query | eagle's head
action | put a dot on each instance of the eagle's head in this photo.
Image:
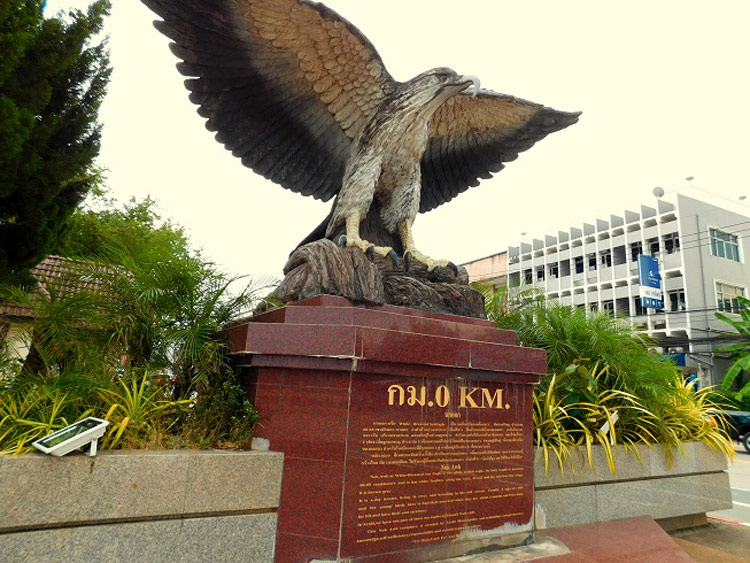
(430, 89)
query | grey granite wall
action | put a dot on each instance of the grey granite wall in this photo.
(164, 506)
(205, 506)
(696, 482)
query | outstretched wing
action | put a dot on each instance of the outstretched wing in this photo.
(471, 138)
(285, 84)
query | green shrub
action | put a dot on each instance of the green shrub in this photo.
(128, 331)
(139, 412)
(599, 366)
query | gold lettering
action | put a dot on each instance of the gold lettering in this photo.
(442, 396)
(496, 401)
(392, 390)
(413, 399)
(466, 398)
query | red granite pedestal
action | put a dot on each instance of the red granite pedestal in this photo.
(407, 435)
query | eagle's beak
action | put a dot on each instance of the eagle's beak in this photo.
(475, 84)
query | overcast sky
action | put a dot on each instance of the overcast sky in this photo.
(663, 86)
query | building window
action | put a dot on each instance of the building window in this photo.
(606, 258)
(579, 264)
(540, 274)
(724, 245)
(527, 276)
(671, 243)
(608, 307)
(636, 249)
(726, 297)
(593, 307)
(554, 271)
(565, 268)
(592, 262)
(653, 246)
(638, 306)
(676, 300)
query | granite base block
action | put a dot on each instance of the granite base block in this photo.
(651, 462)
(133, 485)
(140, 506)
(658, 497)
(406, 434)
(246, 539)
(664, 498)
(565, 507)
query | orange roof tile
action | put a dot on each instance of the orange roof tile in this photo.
(51, 268)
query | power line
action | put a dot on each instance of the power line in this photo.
(698, 233)
(588, 255)
(710, 241)
(694, 187)
(682, 235)
(690, 243)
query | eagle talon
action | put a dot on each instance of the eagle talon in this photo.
(435, 273)
(454, 268)
(342, 241)
(370, 253)
(407, 261)
(394, 258)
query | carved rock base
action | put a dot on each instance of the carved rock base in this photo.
(323, 268)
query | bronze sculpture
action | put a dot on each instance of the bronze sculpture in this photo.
(304, 99)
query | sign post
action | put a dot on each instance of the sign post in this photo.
(649, 278)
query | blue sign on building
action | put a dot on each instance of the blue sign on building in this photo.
(678, 359)
(649, 277)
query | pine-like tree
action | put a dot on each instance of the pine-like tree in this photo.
(52, 82)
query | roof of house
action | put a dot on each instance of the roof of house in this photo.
(52, 268)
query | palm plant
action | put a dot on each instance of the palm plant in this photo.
(136, 301)
(739, 352)
(127, 317)
(66, 333)
(165, 314)
(569, 334)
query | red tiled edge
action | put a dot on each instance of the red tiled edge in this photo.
(636, 540)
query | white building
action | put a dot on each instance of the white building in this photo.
(703, 253)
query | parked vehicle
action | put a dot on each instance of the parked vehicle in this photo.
(738, 426)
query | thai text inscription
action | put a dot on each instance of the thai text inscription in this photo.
(468, 397)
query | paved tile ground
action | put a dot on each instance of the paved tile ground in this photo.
(631, 540)
(739, 479)
(719, 542)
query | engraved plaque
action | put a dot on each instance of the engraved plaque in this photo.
(435, 461)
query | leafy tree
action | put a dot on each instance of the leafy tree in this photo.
(52, 82)
(104, 230)
(734, 384)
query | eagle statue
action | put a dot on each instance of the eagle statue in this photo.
(302, 97)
